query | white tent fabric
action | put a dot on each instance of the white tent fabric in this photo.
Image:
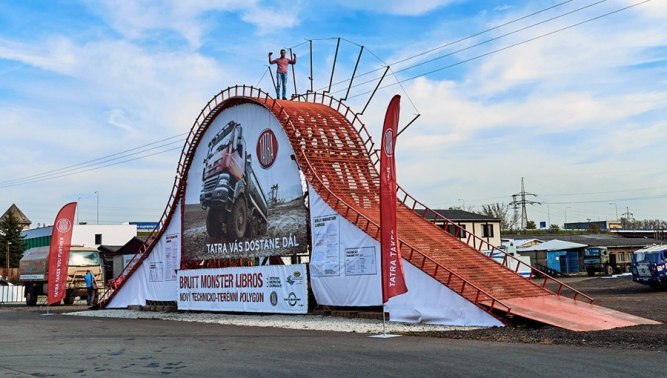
(356, 281)
(335, 283)
(155, 278)
(430, 302)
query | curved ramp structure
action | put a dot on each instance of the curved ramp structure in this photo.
(335, 154)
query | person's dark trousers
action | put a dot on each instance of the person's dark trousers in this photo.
(91, 295)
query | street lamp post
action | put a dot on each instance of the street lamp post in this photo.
(7, 272)
(565, 224)
(98, 206)
(77, 210)
(616, 207)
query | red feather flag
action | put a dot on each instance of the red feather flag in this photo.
(393, 280)
(61, 239)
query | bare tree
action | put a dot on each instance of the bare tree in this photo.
(500, 211)
(649, 224)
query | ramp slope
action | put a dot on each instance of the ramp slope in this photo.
(333, 156)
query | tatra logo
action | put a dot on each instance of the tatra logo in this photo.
(389, 142)
(274, 298)
(63, 225)
(267, 148)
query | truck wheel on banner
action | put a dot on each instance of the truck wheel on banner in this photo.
(30, 296)
(238, 220)
(254, 227)
(214, 222)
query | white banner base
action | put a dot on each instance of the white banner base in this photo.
(280, 289)
(384, 336)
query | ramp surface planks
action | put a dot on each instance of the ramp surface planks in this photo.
(573, 315)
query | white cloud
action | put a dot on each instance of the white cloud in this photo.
(135, 19)
(398, 7)
(502, 7)
(268, 20)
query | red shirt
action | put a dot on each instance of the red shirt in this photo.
(282, 63)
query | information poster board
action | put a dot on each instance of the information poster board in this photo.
(172, 256)
(360, 261)
(281, 289)
(325, 261)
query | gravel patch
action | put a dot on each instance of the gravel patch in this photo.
(302, 322)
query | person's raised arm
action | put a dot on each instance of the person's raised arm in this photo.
(270, 62)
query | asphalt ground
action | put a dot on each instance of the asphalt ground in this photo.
(35, 345)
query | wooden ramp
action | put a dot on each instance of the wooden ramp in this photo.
(573, 315)
(332, 149)
(335, 154)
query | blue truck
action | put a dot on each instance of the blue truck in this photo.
(648, 266)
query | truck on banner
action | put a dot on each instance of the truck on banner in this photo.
(244, 197)
(281, 289)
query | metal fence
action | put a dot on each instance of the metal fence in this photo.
(11, 294)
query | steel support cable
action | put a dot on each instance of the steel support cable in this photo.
(460, 40)
(392, 73)
(506, 47)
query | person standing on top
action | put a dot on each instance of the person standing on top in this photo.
(281, 72)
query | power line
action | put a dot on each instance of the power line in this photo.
(503, 48)
(98, 163)
(458, 41)
(487, 41)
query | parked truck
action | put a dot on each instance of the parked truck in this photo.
(231, 194)
(34, 273)
(648, 266)
(600, 259)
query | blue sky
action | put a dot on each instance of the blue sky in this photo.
(579, 111)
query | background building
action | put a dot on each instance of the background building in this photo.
(87, 235)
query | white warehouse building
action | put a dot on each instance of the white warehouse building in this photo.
(86, 235)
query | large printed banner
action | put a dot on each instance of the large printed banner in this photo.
(273, 289)
(244, 196)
